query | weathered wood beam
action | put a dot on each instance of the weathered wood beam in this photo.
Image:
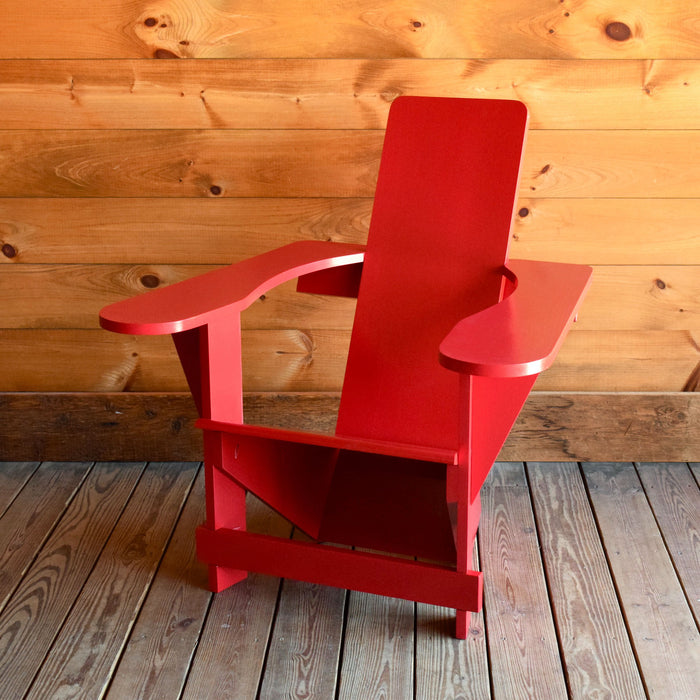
(145, 426)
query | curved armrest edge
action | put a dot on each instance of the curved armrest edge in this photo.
(522, 334)
(199, 300)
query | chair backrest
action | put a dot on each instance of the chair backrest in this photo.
(439, 233)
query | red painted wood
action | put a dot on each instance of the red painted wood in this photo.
(395, 449)
(516, 338)
(209, 297)
(447, 342)
(391, 505)
(226, 508)
(437, 242)
(343, 568)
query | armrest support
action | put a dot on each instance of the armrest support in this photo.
(522, 334)
(197, 301)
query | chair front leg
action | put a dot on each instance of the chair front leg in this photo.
(464, 504)
(211, 358)
(225, 506)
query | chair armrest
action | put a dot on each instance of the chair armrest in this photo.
(522, 334)
(197, 301)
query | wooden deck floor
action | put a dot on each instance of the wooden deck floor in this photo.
(592, 590)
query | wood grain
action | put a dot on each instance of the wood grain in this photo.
(520, 632)
(322, 163)
(157, 658)
(623, 361)
(93, 636)
(13, 477)
(585, 426)
(135, 426)
(642, 298)
(189, 163)
(378, 653)
(31, 516)
(340, 93)
(235, 637)
(40, 604)
(607, 231)
(305, 643)
(171, 231)
(661, 625)
(673, 495)
(595, 646)
(634, 298)
(299, 359)
(234, 665)
(364, 28)
(447, 667)
(71, 296)
(221, 231)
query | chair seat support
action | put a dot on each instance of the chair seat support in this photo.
(343, 568)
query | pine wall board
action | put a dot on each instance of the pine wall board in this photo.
(121, 172)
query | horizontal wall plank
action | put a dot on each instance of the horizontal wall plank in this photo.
(133, 426)
(314, 360)
(172, 230)
(225, 230)
(322, 163)
(74, 360)
(643, 298)
(625, 361)
(622, 297)
(363, 28)
(607, 231)
(340, 94)
(186, 163)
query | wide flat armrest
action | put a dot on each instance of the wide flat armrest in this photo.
(522, 334)
(197, 301)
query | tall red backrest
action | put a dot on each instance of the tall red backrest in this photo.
(439, 233)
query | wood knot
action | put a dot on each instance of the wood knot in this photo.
(215, 190)
(164, 53)
(618, 31)
(9, 251)
(150, 281)
(660, 283)
(150, 22)
(416, 24)
(522, 213)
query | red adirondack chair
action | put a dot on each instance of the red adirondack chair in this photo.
(446, 344)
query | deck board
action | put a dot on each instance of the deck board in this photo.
(87, 648)
(13, 476)
(522, 640)
(595, 647)
(378, 654)
(171, 619)
(672, 493)
(306, 641)
(590, 571)
(30, 519)
(661, 625)
(447, 667)
(234, 642)
(40, 604)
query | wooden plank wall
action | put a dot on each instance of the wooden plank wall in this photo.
(120, 172)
